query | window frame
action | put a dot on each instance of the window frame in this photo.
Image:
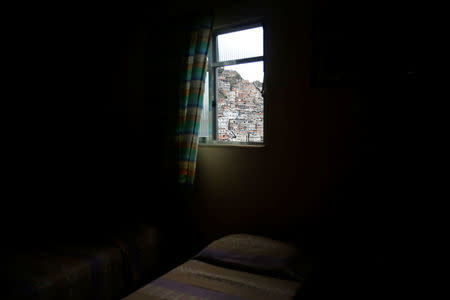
(212, 68)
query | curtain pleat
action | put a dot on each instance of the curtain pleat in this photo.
(191, 98)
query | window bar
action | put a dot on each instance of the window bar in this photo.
(237, 61)
(214, 86)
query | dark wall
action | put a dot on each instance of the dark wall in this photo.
(89, 122)
(337, 168)
(352, 126)
(89, 111)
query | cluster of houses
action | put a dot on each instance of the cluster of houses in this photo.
(240, 108)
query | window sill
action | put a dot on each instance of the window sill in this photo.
(232, 145)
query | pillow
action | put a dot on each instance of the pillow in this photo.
(255, 254)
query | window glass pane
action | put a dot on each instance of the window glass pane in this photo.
(204, 122)
(240, 44)
(240, 104)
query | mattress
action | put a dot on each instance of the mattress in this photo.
(237, 266)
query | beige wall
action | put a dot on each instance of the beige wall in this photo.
(272, 189)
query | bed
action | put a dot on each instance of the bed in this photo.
(238, 266)
(105, 268)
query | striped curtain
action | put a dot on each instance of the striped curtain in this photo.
(191, 98)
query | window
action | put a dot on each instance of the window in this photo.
(233, 107)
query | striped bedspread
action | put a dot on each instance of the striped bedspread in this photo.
(234, 267)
